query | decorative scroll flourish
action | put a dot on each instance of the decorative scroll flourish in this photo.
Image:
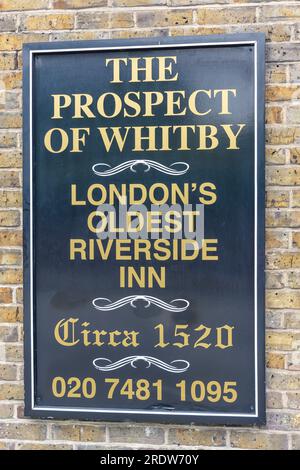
(99, 170)
(105, 305)
(181, 364)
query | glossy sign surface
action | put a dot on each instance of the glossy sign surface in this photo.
(143, 217)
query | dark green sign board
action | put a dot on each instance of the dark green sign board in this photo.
(144, 229)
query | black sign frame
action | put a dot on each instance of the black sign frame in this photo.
(32, 408)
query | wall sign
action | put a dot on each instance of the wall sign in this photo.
(144, 229)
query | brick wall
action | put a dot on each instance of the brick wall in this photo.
(50, 20)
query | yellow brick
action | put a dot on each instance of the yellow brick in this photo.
(10, 160)
(10, 101)
(295, 72)
(295, 421)
(93, 20)
(258, 440)
(283, 420)
(6, 411)
(274, 319)
(9, 179)
(19, 59)
(11, 80)
(282, 299)
(282, 218)
(8, 60)
(282, 93)
(296, 239)
(6, 445)
(13, 42)
(92, 433)
(96, 20)
(275, 361)
(20, 411)
(296, 442)
(196, 437)
(275, 156)
(8, 258)
(274, 115)
(10, 391)
(8, 22)
(197, 30)
(8, 372)
(121, 20)
(282, 341)
(275, 280)
(11, 276)
(11, 238)
(294, 280)
(10, 314)
(225, 15)
(294, 155)
(36, 446)
(276, 239)
(283, 176)
(280, 13)
(277, 198)
(138, 33)
(274, 400)
(293, 359)
(179, 3)
(273, 32)
(8, 139)
(5, 295)
(64, 4)
(23, 431)
(15, 5)
(9, 218)
(79, 35)
(136, 434)
(50, 21)
(138, 3)
(163, 18)
(276, 73)
(9, 333)
(293, 114)
(282, 52)
(293, 400)
(35, 37)
(14, 352)
(281, 135)
(19, 295)
(10, 41)
(282, 380)
(276, 33)
(11, 120)
(66, 432)
(283, 260)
